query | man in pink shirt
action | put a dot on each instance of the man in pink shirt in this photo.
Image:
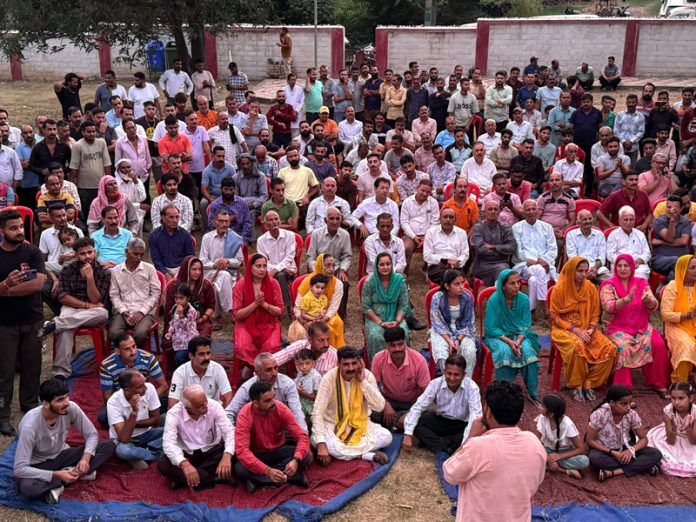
(518, 185)
(499, 467)
(402, 374)
(658, 182)
(317, 341)
(264, 456)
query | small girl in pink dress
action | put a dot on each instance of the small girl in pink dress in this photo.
(182, 325)
(676, 436)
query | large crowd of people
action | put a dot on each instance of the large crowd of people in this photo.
(506, 184)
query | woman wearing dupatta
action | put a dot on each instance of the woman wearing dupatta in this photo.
(384, 303)
(509, 335)
(202, 294)
(588, 355)
(452, 319)
(257, 307)
(108, 195)
(325, 264)
(678, 310)
(627, 302)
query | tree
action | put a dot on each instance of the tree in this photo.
(126, 25)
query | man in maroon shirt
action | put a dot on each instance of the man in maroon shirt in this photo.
(264, 456)
(281, 115)
(608, 213)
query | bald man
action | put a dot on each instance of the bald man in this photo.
(198, 443)
(207, 117)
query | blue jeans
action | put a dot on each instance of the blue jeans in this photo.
(147, 447)
(576, 462)
(180, 357)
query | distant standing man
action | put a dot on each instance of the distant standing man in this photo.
(203, 83)
(285, 45)
(174, 81)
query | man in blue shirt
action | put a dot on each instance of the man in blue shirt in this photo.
(169, 243)
(110, 241)
(532, 67)
(528, 90)
(210, 183)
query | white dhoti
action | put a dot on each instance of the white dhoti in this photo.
(223, 283)
(537, 282)
(375, 438)
(140, 213)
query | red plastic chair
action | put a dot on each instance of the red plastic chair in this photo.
(99, 339)
(609, 231)
(307, 242)
(655, 279)
(484, 365)
(294, 287)
(362, 261)
(428, 299)
(654, 205)
(299, 244)
(366, 357)
(587, 204)
(555, 359)
(473, 188)
(478, 286)
(159, 187)
(26, 213)
(477, 126)
(154, 329)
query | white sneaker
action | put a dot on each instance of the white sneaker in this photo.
(138, 464)
(53, 495)
(89, 476)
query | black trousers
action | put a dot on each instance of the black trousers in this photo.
(49, 299)
(276, 459)
(36, 488)
(86, 198)
(613, 84)
(439, 433)
(343, 307)
(436, 273)
(645, 459)
(205, 462)
(21, 349)
(400, 409)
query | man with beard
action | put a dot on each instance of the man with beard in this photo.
(22, 274)
(300, 182)
(29, 185)
(83, 291)
(322, 169)
(251, 180)
(68, 92)
(646, 103)
(201, 369)
(341, 427)
(237, 208)
(264, 455)
(281, 116)
(227, 136)
(492, 243)
(438, 103)
(303, 138)
(294, 96)
(172, 196)
(49, 150)
(503, 154)
(319, 137)
(43, 461)
(89, 161)
(661, 117)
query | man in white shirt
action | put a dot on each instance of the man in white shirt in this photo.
(384, 240)
(221, 255)
(588, 242)
(317, 210)
(174, 81)
(479, 169)
(134, 420)
(198, 442)
(221, 135)
(140, 92)
(491, 139)
(278, 246)
(521, 130)
(536, 254)
(266, 370)
(161, 128)
(571, 170)
(372, 207)
(294, 95)
(627, 239)
(445, 247)
(418, 213)
(375, 169)
(550, 94)
(203, 371)
(348, 130)
(498, 100)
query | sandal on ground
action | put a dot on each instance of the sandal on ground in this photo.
(654, 471)
(573, 473)
(589, 395)
(664, 393)
(577, 396)
(605, 474)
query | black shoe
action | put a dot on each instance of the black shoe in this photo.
(48, 328)
(7, 429)
(204, 485)
(60, 377)
(299, 480)
(250, 486)
(414, 324)
(230, 481)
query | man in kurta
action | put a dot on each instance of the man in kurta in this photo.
(492, 243)
(341, 427)
(536, 254)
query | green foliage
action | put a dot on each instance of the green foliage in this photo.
(301, 12)
(512, 8)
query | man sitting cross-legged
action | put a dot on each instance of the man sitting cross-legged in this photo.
(285, 391)
(83, 290)
(341, 427)
(44, 463)
(198, 442)
(134, 418)
(458, 403)
(402, 374)
(264, 455)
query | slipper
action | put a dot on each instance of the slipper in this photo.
(590, 395)
(577, 396)
(654, 471)
(573, 473)
(664, 393)
(605, 474)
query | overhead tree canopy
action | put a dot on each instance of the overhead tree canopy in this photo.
(126, 25)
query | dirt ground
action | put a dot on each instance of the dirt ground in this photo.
(410, 492)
